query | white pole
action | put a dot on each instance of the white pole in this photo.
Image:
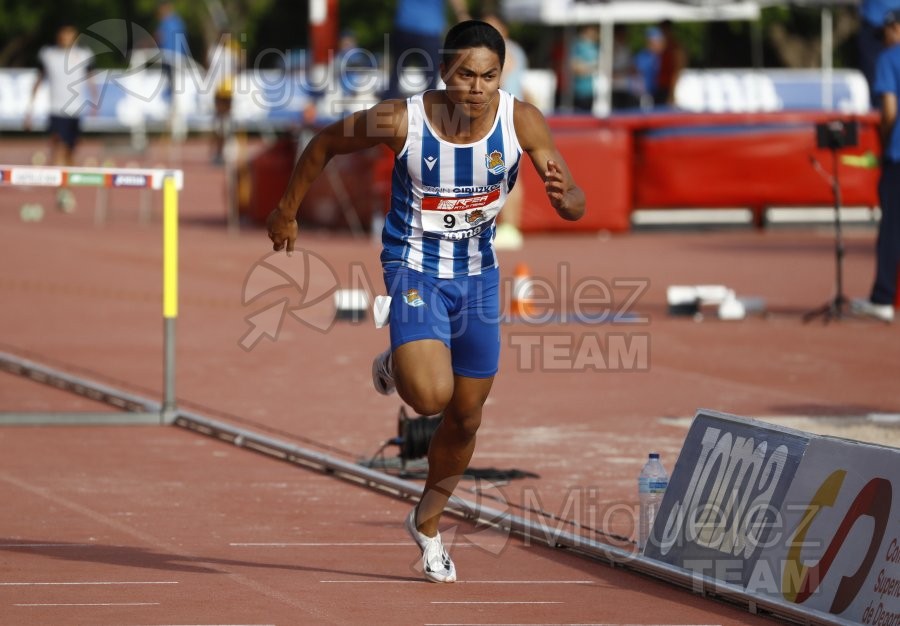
(603, 107)
(827, 59)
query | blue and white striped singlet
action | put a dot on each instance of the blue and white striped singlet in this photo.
(445, 197)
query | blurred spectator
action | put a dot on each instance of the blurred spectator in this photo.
(171, 36)
(513, 78)
(354, 65)
(869, 38)
(224, 64)
(508, 236)
(584, 60)
(886, 87)
(672, 61)
(625, 81)
(418, 36)
(561, 72)
(66, 66)
(646, 61)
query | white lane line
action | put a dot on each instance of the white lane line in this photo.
(313, 614)
(351, 544)
(36, 584)
(92, 604)
(472, 582)
(345, 544)
(45, 545)
(494, 602)
(527, 582)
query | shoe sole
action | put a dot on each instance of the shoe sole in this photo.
(376, 381)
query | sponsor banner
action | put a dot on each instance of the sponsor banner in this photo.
(723, 502)
(141, 98)
(737, 90)
(792, 516)
(5, 176)
(131, 180)
(36, 177)
(86, 179)
(840, 552)
(439, 203)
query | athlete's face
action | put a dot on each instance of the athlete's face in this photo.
(473, 79)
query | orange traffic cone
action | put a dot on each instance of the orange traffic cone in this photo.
(521, 305)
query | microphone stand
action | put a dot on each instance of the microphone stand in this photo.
(834, 308)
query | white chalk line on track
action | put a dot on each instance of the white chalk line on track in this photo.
(496, 602)
(45, 545)
(98, 582)
(344, 544)
(158, 544)
(471, 582)
(91, 604)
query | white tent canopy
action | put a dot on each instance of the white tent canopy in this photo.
(607, 13)
(565, 12)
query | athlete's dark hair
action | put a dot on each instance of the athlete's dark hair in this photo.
(472, 34)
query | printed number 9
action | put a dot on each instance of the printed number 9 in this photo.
(449, 221)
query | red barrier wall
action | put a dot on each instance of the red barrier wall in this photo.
(353, 184)
(669, 160)
(764, 163)
(599, 157)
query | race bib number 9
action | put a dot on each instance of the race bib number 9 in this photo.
(459, 217)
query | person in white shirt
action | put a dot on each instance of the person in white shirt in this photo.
(66, 67)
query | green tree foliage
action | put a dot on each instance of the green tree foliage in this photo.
(785, 36)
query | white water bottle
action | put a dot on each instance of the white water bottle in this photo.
(652, 484)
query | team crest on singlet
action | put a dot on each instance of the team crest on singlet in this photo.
(475, 217)
(494, 162)
(412, 298)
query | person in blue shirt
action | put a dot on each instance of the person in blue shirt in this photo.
(886, 87)
(869, 37)
(584, 61)
(646, 61)
(418, 34)
(171, 34)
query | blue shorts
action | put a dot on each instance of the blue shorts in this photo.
(463, 313)
(68, 129)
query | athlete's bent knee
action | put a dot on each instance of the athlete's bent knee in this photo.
(429, 400)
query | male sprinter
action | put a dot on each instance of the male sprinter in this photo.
(457, 157)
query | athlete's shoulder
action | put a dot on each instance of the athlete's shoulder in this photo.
(526, 111)
(388, 119)
(529, 123)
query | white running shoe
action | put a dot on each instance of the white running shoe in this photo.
(883, 312)
(65, 201)
(436, 563)
(383, 374)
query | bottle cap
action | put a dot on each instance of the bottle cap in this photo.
(654, 455)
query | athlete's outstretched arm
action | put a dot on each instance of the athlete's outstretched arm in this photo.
(384, 123)
(534, 137)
